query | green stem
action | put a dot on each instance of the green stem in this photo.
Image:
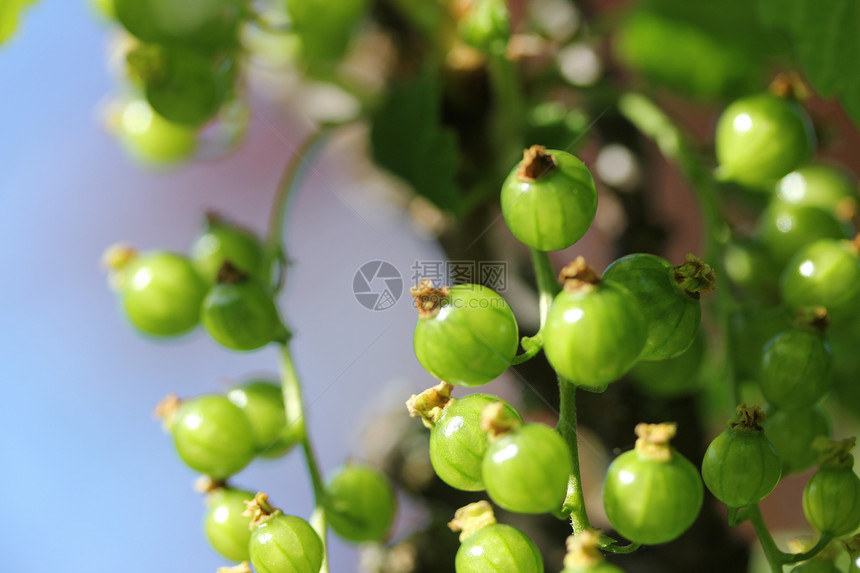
(547, 283)
(775, 557)
(275, 252)
(290, 384)
(772, 553)
(609, 545)
(651, 121)
(574, 501)
(734, 517)
(548, 287)
(508, 109)
(292, 390)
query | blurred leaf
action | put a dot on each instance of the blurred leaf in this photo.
(9, 13)
(825, 38)
(408, 140)
(708, 50)
(325, 29)
(671, 53)
(734, 22)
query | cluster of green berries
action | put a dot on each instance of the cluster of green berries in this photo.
(479, 442)
(219, 434)
(486, 545)
(221, 285)
(797, 282)
(181, 70)
(184, 63)
(741, 467)
(642, 310)
(796, 278)
(244, 527)
(800, 253)
(652, 494)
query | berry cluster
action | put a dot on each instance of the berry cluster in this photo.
(181, 70)
(642, 316)
(224, 285)
(792, 334)
(594, 331)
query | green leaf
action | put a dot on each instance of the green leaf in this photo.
(409, 140)
(670, 52)
(9, 12)
(707, 50)
(825, 37)
(734, 22)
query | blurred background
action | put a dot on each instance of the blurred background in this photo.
(89, 481)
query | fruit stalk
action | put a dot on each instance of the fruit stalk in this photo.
(296, 423)
(291, 387)
(771, 552)
(574, 500)
(276, 259)
(509, 107)
(546, 283)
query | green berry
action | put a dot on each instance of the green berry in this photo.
(227, 530)
(221, 242)
(668, 298)
(741, 466)
(161, 293)
(796, 369)
(831, 499)
(498, 547)
(184, 86)
(527, 469)
(821, 185)
(152, 139)
(825, 273)
(549, 199)
(360, 504)
(760, 138)
(466, 335)
(285, 544)
(239, 313)
(212, 435)
(673, 376)
(201, 24)
(595, 330)
(792, 432)
(652, 494)
(785, 229)
(263, 404)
